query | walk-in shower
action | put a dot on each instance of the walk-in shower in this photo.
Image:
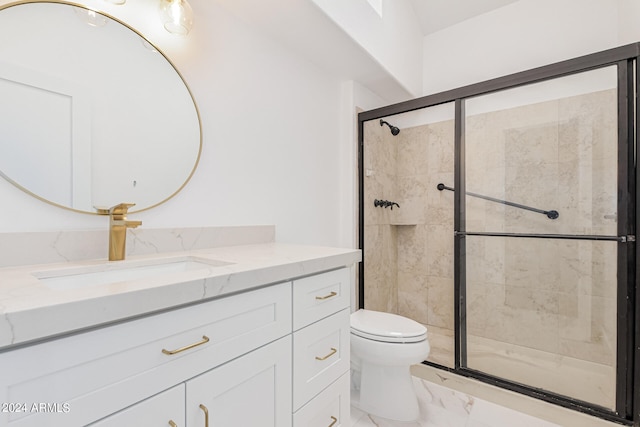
(514, 236)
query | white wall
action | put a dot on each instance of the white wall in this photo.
(271, 133)
(525, 35)
(628, 18)
(277, 128)
(393, 37)
(355, 98)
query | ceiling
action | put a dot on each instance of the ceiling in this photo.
(434, 15)
(297, 24)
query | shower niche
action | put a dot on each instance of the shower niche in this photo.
(514, 239)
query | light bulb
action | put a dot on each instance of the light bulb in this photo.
(177, 16)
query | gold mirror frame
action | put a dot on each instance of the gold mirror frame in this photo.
(173, 67)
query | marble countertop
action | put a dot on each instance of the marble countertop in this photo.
(31, 310)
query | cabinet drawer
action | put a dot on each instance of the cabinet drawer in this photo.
(329, 408)
(155, 411)
(320, 355)
(100, 372)
(319, 296)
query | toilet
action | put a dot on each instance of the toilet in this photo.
(383, 347)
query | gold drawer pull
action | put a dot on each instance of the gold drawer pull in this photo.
(206, 415)
(204, 340)
(331, 353)
(172, 424)
(333, 421)
(331, 295)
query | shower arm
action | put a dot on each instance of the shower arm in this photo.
(550, 214)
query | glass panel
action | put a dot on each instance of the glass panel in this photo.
(542, 312)
(408, 249)
(550, 146)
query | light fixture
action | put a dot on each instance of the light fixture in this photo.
(177, 16)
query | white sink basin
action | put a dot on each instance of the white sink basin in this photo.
(81, 277)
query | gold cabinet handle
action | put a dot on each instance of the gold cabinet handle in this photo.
(331, 353)
(331, 295)
(172, 424)
(206, 415)
(204, 340)
(333, 421)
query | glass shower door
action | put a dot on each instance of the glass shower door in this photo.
(540, 227)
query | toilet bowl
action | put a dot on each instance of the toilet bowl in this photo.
(383, 347)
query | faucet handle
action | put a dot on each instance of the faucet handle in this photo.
(120, 209)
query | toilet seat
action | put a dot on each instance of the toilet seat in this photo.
(386, 327)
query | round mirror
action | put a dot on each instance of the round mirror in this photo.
(91, 114)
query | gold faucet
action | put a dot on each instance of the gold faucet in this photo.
(118, 224)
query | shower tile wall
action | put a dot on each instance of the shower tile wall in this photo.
(409, 250)
(380, 275)
(425, 247)
(550, 302)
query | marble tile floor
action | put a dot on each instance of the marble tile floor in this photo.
(443, 407)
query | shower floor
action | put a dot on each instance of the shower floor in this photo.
(579, 379)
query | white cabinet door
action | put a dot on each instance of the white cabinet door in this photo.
(162, 410)
(253, 390)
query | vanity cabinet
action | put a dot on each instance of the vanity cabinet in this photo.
(254, 390)
(330, 408)
(275, 356)
(321, 350)
(164, 409)
(85, 377)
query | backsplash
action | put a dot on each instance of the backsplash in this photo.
(61, 246)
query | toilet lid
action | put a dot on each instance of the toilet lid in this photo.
(386, 327)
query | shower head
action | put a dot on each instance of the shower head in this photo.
(394, 130)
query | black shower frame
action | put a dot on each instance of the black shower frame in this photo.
(626, 57)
